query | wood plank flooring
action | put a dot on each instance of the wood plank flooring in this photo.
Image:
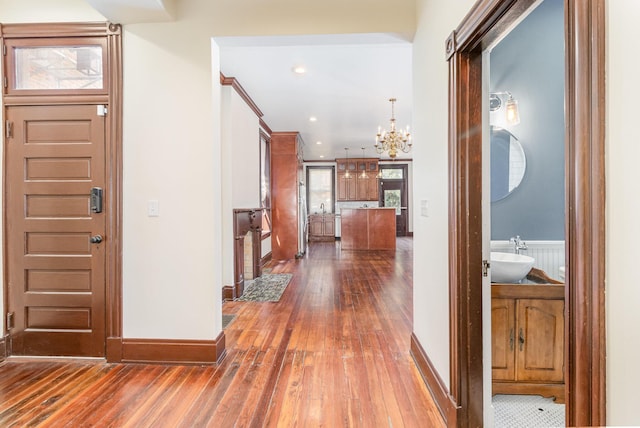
(334, 352)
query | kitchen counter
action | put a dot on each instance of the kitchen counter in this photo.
(368, 228)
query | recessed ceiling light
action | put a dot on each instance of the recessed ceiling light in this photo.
(313, 119)
(321, 156)
(299, 69)
(318, 142)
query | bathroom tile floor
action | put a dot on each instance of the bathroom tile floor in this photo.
(526, 411)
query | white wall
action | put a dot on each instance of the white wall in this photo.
(436, 20)
(169, 155)
(623, 205)
(240, 168)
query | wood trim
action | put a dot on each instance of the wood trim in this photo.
(548, 390)
(172, 351)
(114, 349)
(265, 127)
(265, 260)
(585, 104)
(233, 82)
(115, 171)
(35, 100)
(585, 188)
(59, 29)
(527, 291)
(465, 249)
(4, 352)
(228, 293)
(445, 402)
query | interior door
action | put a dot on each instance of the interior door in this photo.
(393, 193)
(55, 155)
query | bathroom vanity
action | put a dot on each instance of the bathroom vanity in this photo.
(527, 339)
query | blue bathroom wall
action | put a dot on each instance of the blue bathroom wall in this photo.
(529, 63)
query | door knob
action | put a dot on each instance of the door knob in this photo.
(96, 239)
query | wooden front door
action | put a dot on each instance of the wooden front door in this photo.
(55, 155)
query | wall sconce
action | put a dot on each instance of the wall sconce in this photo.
(503, 113)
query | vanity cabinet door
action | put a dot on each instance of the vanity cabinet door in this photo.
(503, 339)
(540, 340)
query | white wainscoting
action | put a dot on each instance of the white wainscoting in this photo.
(549, 255)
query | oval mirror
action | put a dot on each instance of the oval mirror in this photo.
(508, 163)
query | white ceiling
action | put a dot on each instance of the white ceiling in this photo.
(347, 86)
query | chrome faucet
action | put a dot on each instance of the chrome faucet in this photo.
(518, 244)
(322, 207)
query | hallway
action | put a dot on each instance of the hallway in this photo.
(334, 351)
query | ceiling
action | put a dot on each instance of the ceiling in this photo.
(347, 85)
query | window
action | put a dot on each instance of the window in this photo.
(265, 181)
(391, 173)
(69, 65)
(320, 189)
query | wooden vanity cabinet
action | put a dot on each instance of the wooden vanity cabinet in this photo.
(527, 335)
(322, 227)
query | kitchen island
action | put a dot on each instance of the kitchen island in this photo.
(368, 228)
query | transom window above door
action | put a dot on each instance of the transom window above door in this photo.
(59, 66)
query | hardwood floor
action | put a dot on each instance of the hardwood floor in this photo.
(333, 352)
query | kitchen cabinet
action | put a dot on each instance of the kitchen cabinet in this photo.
(527, 335)
(355, 187)
(322, 227)
(368, 228)
(286, 173)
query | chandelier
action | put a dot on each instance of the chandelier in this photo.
(393, 140)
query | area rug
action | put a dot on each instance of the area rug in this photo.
(266, 288)
(514, 411)
(227, 319)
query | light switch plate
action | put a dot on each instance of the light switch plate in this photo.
(424, 208)
(153, 208)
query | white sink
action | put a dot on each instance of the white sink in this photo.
(509, 267)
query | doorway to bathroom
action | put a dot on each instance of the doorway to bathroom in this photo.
(584, 367)
(524, 219)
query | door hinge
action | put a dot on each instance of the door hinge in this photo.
(5, 82)
(485, 268)
(8, 128)
(102, 110)
(10, 320)
(4, 50)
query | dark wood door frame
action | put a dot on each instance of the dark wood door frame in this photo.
(113, 99)
(404, 190)
(585, 196)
